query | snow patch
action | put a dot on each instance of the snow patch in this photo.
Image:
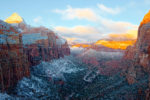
(4, 96)
(58, 67)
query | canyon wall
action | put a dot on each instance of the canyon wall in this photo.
(42, 44)
(137, 57)
(22, 46)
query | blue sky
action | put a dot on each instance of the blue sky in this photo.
(79, 20)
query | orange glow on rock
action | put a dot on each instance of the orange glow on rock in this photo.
(109, 44)
(14, 18)
(116, 44)
(146, 18)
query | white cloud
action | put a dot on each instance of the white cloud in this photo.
(92, 34)
(77, 13)
(109, 10)
(79, 33)
(110, 26)
(103, 26)
(78, 30)
(38, 20)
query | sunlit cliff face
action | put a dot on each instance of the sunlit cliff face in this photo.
(119, 41)
(109, 44)
(116, 44)
(146, 18)
(115, 41)
(14, 18)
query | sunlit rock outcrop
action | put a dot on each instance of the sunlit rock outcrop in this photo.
(113, 41)
(115, 44)
(14, 18)
(146, 19)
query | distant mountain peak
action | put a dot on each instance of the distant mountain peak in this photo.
(14, 18)
(146, 18)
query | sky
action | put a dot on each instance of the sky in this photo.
(79, 20)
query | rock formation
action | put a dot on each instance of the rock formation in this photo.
(13, 62)
(42, 44)
(23, 46)
(137, 57)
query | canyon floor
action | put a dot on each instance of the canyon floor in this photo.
(71, 79)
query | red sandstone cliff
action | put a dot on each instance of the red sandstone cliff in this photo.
(137, 57)
(22, 46)
(139, 54)
(42, 44)
(13, 62)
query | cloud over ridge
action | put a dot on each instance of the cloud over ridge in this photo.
(104, 26)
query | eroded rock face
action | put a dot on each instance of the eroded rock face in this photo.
(22, 46)
(143, 46)
(139, 54)
(13, 62)
(41, 44)
(137, 57)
